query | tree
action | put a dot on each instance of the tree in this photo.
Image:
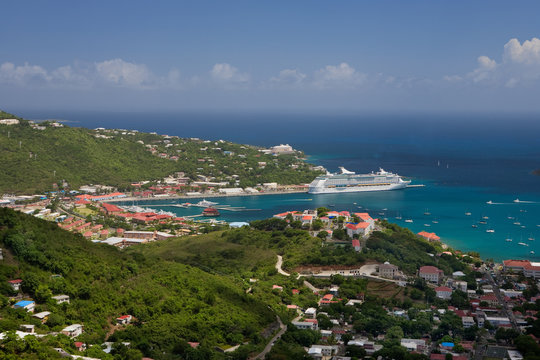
(394, 335)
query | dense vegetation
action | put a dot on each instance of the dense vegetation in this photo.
(172, 302)
(34, 159)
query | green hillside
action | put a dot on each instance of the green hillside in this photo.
(172, 302)
(34, 156)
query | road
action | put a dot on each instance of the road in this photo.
(268, 347)
(278, 266)
(501, 301)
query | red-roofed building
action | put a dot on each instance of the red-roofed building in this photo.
(104, 234)
(360, 229)
(295, 291)
(80, 346)
(429, 236)
(430, 273)
(15, 284)
(356, 244)
(88, 234)
(443, 292)
(111, 209)
(491, 299)
(307, 219)
(124, 319)
(525, 266)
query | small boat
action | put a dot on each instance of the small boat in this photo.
(508, 240)
(522, 244)
(210, 212)
(435, 221)
(427, 213)
(532, 252)
(354, 203)
(517, 223)
(511, 218)
(398, 217)
(490, 231)
(427, 225)
(485, 217)
(381, 213)
(205, 203)
(331, 205)
(482, 222)
(474, 225)
(522, 210)
(489, 202)
(530, 238)
(384, 209)
(468, 214)
(516, 200)
(523, 226)
(408, 221)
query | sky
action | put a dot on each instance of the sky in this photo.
(382, 56)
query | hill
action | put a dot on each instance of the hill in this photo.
(172, 302)
(34, 156)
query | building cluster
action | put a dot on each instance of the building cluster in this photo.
(357, 226)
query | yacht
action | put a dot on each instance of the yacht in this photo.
(408, 221)
(490, 231)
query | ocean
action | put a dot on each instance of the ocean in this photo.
(465, 160)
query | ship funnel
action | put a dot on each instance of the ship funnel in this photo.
(345, 171)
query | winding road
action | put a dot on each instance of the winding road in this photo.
(278, 266)
(268, 347)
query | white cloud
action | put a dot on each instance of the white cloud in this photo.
(526, 53)
(123, 73)
(224, 72)
(23, 74)
(520, 64)
(342, 75)
(289, 77)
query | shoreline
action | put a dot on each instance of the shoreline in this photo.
(205, 196)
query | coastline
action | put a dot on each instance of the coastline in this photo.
(205, 196)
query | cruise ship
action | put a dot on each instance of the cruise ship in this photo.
(348, 181)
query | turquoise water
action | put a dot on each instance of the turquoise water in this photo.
(482, 157)
(446, 204)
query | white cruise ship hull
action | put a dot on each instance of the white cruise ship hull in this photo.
(363, 188)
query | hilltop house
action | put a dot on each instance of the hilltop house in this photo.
(443, 292)
(124, 319)
(388, 270)
(15, 284)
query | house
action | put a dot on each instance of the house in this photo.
(60, 299)
(360, 229)
(29, 329)
(467, 321)
(124, 319)
(27, 305)
(310, 313)
(418, 345)
(319, 351)
(356, 245)
(15, 284)
(388, 270)
(80, 346)
(43, 316)
(429, 236)
(274, 287)
(491, 299)
(308, 324)
(430, 274)
(443, 292)
(73, 330)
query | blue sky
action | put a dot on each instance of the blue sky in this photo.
(282, 55)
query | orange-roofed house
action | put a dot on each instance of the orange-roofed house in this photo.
(88, 234)
(429, 236)
(356, 245)
(360, 229)
(307, 219)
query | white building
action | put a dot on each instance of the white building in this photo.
(73, 330)
(60, 299)
(443, 292)
(430, 274)
(388, 270)
(467, 321)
